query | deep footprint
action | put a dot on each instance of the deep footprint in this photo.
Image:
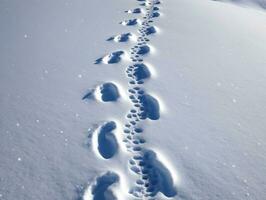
(101, 191)
(109, 92)
(150, 107)
(111, 58)
(141, 72)
(150, 30)
(144, 49)
(107, 143)
(120, 38)
(158, 177)
(155, 14)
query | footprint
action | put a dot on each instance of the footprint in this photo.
(141, 72)
(156, 8)
(130, 22)
(111, 58)
(144, 49)
(150, 30)
(160, 178)
(155, 14)
(101, 188)
(155, 176)
(124, 37)
(106, 92)
(134, 11)
(107, 143)
(150, 107)
(109, 92)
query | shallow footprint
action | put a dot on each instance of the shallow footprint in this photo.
(89, 95)
(100, 190)
(111, 58)
(107, 143)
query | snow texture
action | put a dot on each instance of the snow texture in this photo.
(133, 99)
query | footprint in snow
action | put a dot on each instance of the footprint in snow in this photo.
(107, 143)
(111, 58)
(134, 11)
(150, 30)
(150, 107)
(155, 175)
(141, 71)
(101, 189)
(129, 22)
(124, 37)
(106, 92)
(155, 14)
(142, 50)
(156, 8)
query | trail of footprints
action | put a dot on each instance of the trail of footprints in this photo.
(152, 176)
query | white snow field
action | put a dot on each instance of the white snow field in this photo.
(133, 99)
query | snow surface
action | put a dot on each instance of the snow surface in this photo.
(207, 74)
(253, 3)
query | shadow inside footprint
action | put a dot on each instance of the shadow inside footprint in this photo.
(135, 11)
(141, 72)
(150, 107)
(155, 14)
(120, 38)
(150, 30)
(156, 8)
(111, 58)
(130, 22)
(100, 190)
(109, 92)
(107, 143)
(159, 178)
(143, 50)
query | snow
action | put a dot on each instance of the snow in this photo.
(207, 81)
(248, 3)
